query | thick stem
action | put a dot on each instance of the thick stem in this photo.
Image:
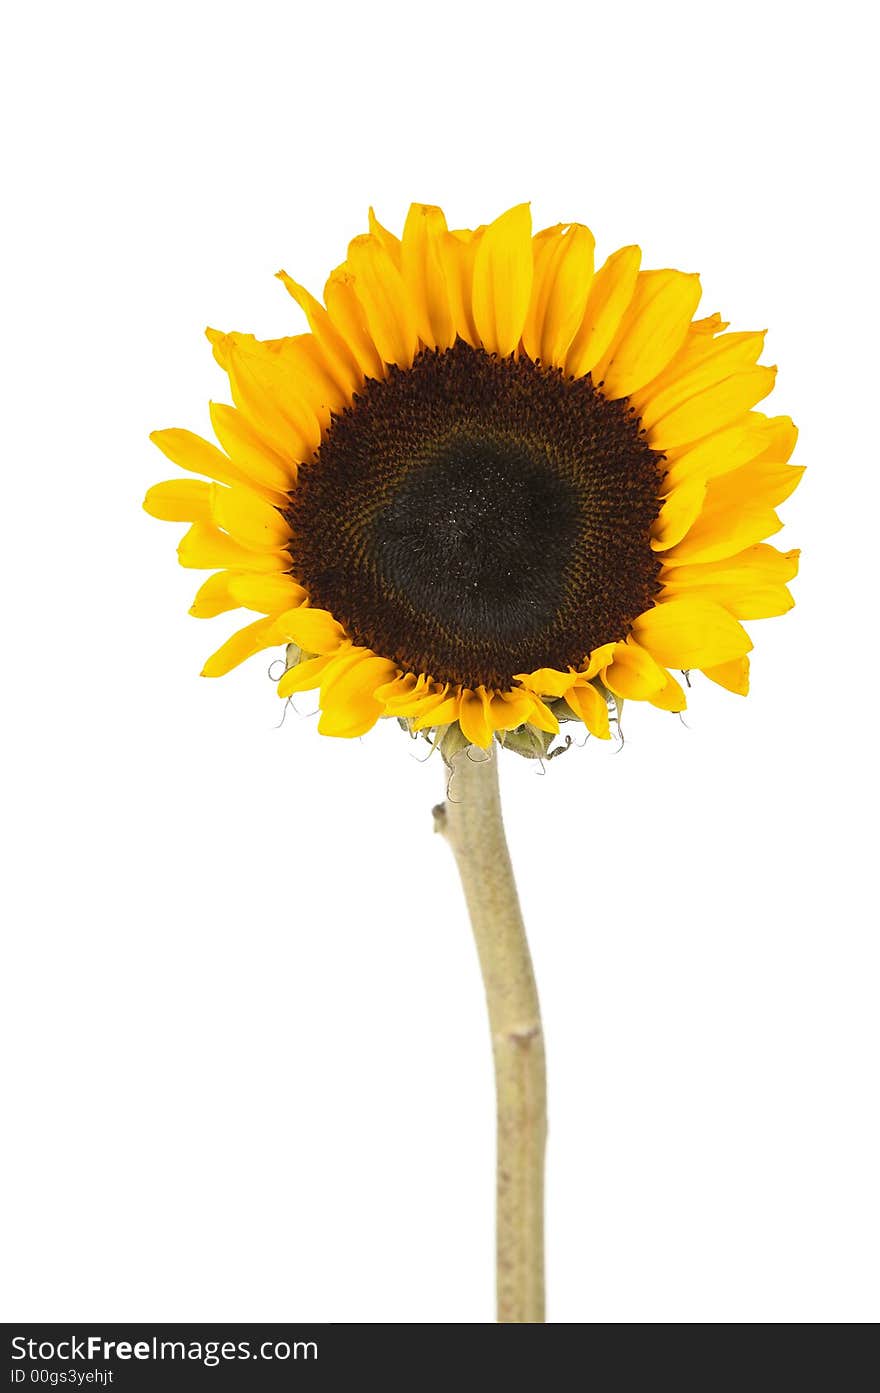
(470, 819)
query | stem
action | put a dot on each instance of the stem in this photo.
(471, 822)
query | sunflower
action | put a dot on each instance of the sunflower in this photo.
(492, 488)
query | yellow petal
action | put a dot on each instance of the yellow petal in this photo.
(718, 453)
(734, 676)
(180, 500)
(717, 360)
(503, 280)
(248, 518)
(563, 273)
(589, 705)
(198, 456)
(349, 706)
(713, 408)
(266, 388)
(782, 434)
(347, 656)
(542, 717)
(598, 659)
(509, 710)
(386, 239)
(546, 249)
(633, 674)
(398, 691)
(243, 644)
(678, 514)
(313, 630)
(690, 631)
(423, 701)
(712, 324)
(259, 465)
(458, 256)
(205, 548)
(473, 718)
(761, 564)
(304, 677)
(312, 378)
(406, 695)
(722, 531)
(385, 301)
(347, 316)
(698, 340)
(739, 510)
(219, 347)
(337, 355)
(752, 584)
(424, 276)
(671, 697)
(214, 597)
(654, 328)
(764, 479)
(610, 292)
(548, 681)
(745, 599)
(567, 301)
(272, 594)
(438, 711)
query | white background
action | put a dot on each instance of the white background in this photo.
(246, 1063)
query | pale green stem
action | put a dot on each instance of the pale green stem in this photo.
(470, 820)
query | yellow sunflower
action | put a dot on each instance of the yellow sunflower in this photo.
(491, 488)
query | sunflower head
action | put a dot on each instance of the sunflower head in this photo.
(492, 488)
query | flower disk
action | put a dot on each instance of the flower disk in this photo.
(473, 517)
(492, 488)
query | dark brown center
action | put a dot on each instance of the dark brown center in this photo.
(473, 517)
